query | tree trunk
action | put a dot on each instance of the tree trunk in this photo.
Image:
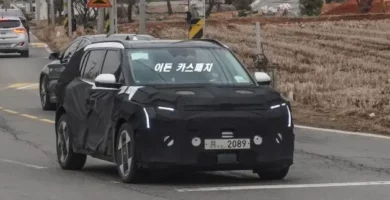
(130, 10)
(210, 8)
(170, 11)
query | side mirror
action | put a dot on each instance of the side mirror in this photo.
(107, 81)
(54, 56)
(262, 78)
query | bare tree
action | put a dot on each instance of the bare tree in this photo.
(209, 10)
(59, 6)
(85, 14)
(130, 7)
(364, 5)
(170, 11)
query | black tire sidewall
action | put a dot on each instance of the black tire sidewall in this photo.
(48, 105)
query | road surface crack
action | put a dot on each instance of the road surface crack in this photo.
(6, 128)
(344, 162)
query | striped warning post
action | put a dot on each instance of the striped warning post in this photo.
(196, 28)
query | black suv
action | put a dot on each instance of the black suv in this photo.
(171, 104)
(51, 72)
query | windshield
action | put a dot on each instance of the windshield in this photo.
(187, 66)
(9, 23)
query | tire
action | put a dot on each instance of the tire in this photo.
(67, 159)
(125, 155)
(274, 174)
(25, 54)
(44, 97)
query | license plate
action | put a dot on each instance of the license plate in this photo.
(4, 45)
(212, 144)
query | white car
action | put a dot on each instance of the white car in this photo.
(13, 36)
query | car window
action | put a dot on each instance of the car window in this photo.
(9, 23)
(93, 65)
(70, 51)
(180, 65)
(112, 62)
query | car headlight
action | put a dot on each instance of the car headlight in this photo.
(287, 108)
(165, 108)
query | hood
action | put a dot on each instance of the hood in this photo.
(200, 98)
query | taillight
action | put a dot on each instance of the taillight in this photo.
(20, 30)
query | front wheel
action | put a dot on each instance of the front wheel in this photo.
(44, 95)
(274, 174)
(125, 155)
(66, 157)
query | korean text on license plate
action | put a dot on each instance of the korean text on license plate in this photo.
(212, 144)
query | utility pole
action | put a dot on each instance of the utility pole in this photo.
(70, 32)
(100, 25)
(116, 15)
(38, 10)
(112, 18)
(31, 6)
(52, 13)
(142, 20)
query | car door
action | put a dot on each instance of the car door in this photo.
(77, 102)
(103, 102)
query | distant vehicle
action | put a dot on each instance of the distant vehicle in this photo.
(13, 36)
(52, 71)
(17, 13)
(171, 104)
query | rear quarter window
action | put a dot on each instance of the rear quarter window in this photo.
(9, 23)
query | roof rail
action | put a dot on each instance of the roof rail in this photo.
(212, 40)
(109, 40)
(101, 44)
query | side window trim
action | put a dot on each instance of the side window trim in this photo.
(84, 63)
(104, 60)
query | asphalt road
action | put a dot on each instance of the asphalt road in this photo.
(328, 165)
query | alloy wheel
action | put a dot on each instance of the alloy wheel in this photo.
(63, 142)
(126, 157)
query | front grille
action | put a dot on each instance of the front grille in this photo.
(223, 107)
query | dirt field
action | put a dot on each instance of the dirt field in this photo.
(337, 74)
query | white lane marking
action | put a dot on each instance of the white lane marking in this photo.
(24, 164)
(262, 187)
(344, 132)
(27, 86)
(10, 111)
(29, 116)
(48, 121)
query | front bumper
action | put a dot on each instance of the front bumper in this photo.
(16, 45)
(168, 141)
